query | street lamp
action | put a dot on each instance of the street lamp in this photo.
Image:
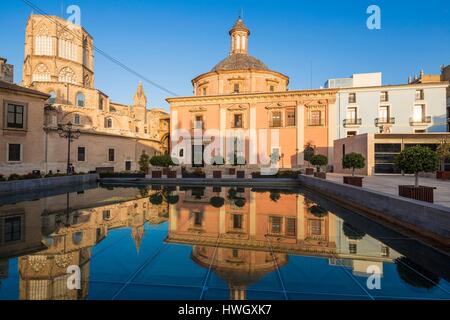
(66, 131)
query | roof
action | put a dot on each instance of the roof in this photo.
(14, 87)
(239, 25)
(239, 61)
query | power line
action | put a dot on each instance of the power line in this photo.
(100, 51)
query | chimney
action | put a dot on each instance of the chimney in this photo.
(6, 71)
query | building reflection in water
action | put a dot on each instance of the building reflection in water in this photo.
(245, 234)
(63, 231)
(241, 234)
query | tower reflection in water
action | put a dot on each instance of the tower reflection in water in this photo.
(241, 235)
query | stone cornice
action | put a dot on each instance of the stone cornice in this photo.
(328, 95)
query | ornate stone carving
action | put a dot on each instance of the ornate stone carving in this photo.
(63, 260)
(37, 263)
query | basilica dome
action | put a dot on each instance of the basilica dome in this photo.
(239, 72)
(239, 61)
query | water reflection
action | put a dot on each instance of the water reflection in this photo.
(238, 236)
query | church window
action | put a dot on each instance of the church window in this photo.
(43, 45)
(315, 118)
(108, 123)
(67, 49)
(275, 120)
(67, 75)
(77, 119)
(41, 73)
(290, 117)
(52, 98)
(238, 123)
(80, 99)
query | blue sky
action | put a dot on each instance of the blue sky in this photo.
(172, 41)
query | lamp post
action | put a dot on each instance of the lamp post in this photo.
(66, 131)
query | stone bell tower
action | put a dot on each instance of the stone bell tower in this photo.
(140, 104)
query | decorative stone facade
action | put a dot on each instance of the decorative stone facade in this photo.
(242, 93)
(59, 60)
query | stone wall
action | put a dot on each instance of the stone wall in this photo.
(426, 219)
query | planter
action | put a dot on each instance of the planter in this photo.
(309, 171)
(156, 174)
(320, 175)
(354, 181)
(240, 174)
(232, 171)
(171, 174)
(421, 193)
(217, 174)
(443, 175)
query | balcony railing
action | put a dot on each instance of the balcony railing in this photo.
(276, 123)
(352, 122)
(384, 121)
(316, 123)
(424, 120)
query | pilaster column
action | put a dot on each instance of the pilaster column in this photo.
(253, 145)
(300, 217)
(252, 217)
(300, 133)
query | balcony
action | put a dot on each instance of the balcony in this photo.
(384, 121)
(420, 122)
(316, 122)
(352, 122)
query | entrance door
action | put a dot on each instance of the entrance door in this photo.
(197, 155)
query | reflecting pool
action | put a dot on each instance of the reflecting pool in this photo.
(195, 243)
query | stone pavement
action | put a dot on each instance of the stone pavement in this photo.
(389, 184)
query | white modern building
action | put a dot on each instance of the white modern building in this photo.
(364, 105)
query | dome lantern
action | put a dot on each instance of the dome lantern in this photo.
(239, 37)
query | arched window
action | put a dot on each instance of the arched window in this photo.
(80, 99)
(77, 119)
(108, 123)
(43, 43)
(67, 75)
(77, 237)
(67, 49)
(52, 98)
(43, 46)
(41, 73)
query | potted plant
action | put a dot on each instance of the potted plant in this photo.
(144, 161)
(319, 160)
(413, 161)
(217, 202)
(443, 152)
(353, 161)
(308, 153)
(156, 199)
(164, 161)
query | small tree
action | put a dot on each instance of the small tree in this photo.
(319, 160)
(417, 159)
(308, 152)
(353, 161)
(443, 152)
(162, 161)
(144, 161)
